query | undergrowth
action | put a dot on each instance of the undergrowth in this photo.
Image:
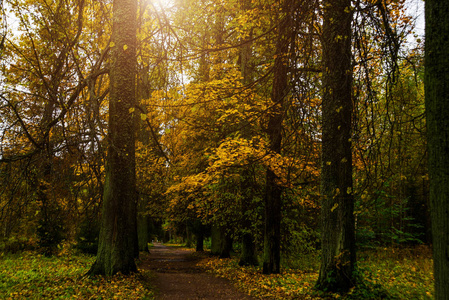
(406, 273)
(384, 273)
(29, 275)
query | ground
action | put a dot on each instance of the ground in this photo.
(177, 276)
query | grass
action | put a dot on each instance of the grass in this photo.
(386, 273)
(405, 273)
(29, 275)
(396, 273)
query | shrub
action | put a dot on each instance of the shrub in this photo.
(87, 237)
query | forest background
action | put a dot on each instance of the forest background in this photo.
(205, 81)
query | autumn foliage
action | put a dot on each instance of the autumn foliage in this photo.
(206, 72)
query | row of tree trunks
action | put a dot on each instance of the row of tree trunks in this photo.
(118, 236)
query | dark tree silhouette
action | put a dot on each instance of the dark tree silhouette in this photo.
(273, 205)
(437, 109)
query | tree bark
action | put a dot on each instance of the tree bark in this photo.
(199, 230)
(273, 203)
(215, 240)
(143, 232)
(199, 241)
(226, 244)
(221, 242)
(248, 255)
(118, 233)
(337, 230)
(437, 109)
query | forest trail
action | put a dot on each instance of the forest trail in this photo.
(177, 276)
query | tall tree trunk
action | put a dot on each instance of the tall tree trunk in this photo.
(189, 235)
(143, 232)
(437, 109)
(337, 229)
(215, 236)
(226, 244)
(273, 205)
(118, 233)
(200, 239)
(248, 255)
(221, 242)
(49, 231)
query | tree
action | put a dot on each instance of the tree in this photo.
(337, 229)
(390, 168)
(437, 110)
(273, 202)
(117, 241)
(248, 255)
(49, 58)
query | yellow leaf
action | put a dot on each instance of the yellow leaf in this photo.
(131, 110)
(143, 117)
(125, 47)
(334, 207)
(111, 44)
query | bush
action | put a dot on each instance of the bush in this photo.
(50, 236)
(87, 237)
(17, 244)
(301, 249)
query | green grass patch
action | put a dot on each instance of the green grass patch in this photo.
(384, 273)
(29, 275)
(405, 273)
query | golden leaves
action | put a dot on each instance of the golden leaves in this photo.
(291, 284)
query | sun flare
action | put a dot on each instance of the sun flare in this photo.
(163, 4)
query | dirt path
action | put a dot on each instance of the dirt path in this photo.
(178, 277)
